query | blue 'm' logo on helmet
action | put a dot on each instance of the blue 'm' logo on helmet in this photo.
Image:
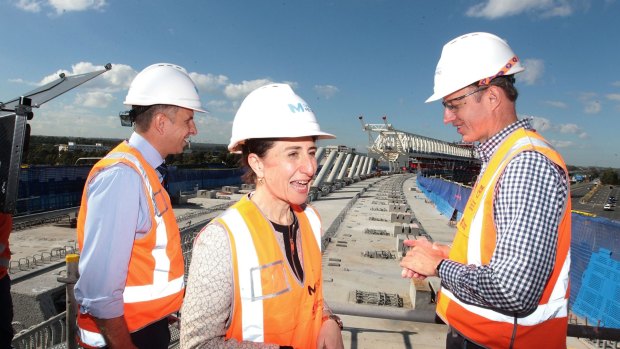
(300, 107)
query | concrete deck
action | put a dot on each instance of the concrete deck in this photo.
(345, 268)
(356, 272)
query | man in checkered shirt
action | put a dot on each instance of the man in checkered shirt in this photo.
(505, 277)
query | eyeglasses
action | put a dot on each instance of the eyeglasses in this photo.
(451, 107)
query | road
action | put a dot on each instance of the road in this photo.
(583, 201)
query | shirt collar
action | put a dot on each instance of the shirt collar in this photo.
(150, 154)
(488, 147)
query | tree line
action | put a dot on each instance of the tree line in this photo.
(43, 151)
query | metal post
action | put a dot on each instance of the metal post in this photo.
(326, 166)
(319, 154)
(363, 162)
(335, 169)
(70, 280)
(356, 161)
(344, 168)
(370, 164)
(366, 167)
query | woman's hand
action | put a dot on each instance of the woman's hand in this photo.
(330, 336)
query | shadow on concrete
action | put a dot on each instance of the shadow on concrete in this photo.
(323, 198)
(355, 332)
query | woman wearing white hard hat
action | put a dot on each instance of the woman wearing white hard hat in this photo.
(255, 280)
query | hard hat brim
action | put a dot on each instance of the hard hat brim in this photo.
(235, 145)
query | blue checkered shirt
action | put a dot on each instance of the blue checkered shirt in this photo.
(529, 201)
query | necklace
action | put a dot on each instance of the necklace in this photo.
(292, 242)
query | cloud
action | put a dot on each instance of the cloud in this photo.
(212, 129)
(562, 144)
(494, 9)
(58, 119)
(21, 81)
(613, 97)
(568, 128)
(540, 124)
(534, 69)
(591, 102)
(557, 104)
(209, 82)
(592, 107)
(543, 125)
(96, 99)
(221, 106)
(239, 91)
(29, 5)
(61, 6)
(326, 91)
(117, 79)
(615, 83)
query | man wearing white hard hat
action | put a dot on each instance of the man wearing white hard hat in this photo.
(131, 264)
(505, 277)
(255, 280)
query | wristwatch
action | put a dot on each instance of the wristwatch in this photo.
(335, 318)
(439, 265)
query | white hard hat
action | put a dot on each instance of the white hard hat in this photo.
(273, 111)
(472, 57)
(164, 83)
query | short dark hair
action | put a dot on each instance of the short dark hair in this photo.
(258, 146)
(144, 114)
(506, 83)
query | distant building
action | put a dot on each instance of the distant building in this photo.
(578, 178)
(88, 148)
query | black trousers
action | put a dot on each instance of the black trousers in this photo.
(153, 336)
(6, 312)
(454, 340)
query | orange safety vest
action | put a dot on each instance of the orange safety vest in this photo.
(474, 244)
(270, 305)
(155, 278)
(6, 225)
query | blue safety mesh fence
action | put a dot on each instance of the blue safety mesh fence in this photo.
(447, 196)
(598, 298)
(183, 180)
(595, 270)
(595, 251)
(45, 188)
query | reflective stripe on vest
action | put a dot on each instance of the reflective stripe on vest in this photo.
(556, 307)
(475, 244)
(90, 339)
(252, 315)
(161, 287)
(315, 222)
(474, 253)
(265, 286)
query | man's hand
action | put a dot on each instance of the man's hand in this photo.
(115, 332)
(422, 258)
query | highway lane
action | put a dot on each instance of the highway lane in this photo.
(594, 204)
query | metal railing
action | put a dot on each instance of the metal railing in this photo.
(47, 334)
